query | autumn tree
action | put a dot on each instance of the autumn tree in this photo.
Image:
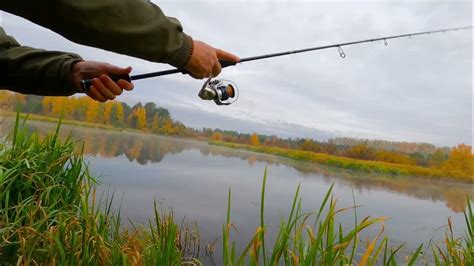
(155, 123)
(107, 114)
(216, 136)
(168, 127)
(141, 118)
(393, 157)
(460, 160)
(360, 151)
(92, 111)
(254, 139)
(137, 117)
(6, 100)
(437, 159)
(46, 103)
(119, 114)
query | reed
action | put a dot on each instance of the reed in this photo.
(50, 214)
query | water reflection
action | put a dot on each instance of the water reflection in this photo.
(148, 149)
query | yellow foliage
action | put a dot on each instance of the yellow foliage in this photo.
(155, 124)
(254, 139)
(119, 112)
(393, 157)
(107, 112)
(92, 110)
(461, 160)
(46, 102)
(216, 136)
(140, 112)
(6, 100)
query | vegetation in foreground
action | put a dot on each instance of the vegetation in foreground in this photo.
(148, 117)
(49, 214)
(355, 164)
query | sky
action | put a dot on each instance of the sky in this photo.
(417, 89)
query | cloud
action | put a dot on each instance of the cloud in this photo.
(417, 89)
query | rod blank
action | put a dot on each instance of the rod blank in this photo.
(338, 45)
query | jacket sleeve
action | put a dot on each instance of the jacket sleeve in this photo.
(34, 71)
(133, 27)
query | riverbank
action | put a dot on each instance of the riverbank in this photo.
(352, 164)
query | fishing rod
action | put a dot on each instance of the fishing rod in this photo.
(225, 92)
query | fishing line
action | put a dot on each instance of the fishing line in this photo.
(221, 91)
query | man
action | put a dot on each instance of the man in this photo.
(132, 27)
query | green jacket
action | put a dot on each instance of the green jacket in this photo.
(133, 27)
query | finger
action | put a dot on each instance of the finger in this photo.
(111, 69)
(216, 69)
(111, 85)
(194, 76)
(102, 89)
(208, 72)
(128, 86)
(221, 54)
(95, 94)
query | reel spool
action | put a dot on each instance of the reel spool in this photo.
(221, 91)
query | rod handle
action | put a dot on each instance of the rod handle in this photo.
(87, 83)
(225, 63)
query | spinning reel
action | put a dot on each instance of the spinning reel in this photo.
(221, 91)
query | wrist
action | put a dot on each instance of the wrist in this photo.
(181, 56)
(76, 75)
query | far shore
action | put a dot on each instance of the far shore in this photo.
(320, 158)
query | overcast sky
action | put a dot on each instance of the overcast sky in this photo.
(417, 89)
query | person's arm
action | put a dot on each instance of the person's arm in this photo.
(133, 27)
(33, 71)
(50, 73)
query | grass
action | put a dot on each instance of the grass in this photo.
(349, 163)
(50, 214)
(49, 119)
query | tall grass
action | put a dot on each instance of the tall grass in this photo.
(50, 214)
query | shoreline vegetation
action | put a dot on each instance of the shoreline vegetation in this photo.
(352, 164)
(50, 214)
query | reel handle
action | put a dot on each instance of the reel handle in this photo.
(87, 83)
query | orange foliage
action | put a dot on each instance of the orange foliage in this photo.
(216, 136)
(460, 160)
(254, 139)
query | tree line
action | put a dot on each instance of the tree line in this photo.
(151, 118)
